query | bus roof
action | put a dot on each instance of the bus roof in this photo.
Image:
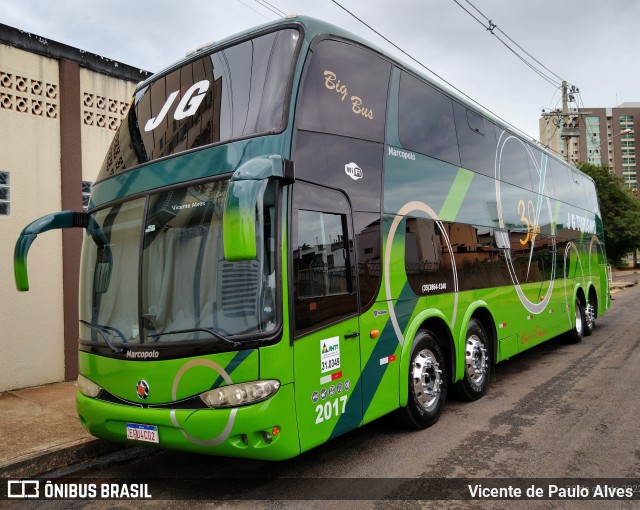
(313, 27)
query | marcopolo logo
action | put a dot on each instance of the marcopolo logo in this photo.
(353, 171)
(142, 389)
(143, 354)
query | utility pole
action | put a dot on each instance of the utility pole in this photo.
(570, 128)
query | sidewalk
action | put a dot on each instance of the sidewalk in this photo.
(40, 431)
(619, 283)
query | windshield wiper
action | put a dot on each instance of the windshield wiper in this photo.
(215, 335)
(105, 332)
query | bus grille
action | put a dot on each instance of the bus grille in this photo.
(240, 288)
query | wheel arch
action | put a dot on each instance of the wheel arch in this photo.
(593, 297)
(579, 294)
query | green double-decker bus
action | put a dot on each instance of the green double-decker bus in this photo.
(293, 234)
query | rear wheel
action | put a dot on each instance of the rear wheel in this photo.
(428, 381)
(577, 333)
(590, 315)
(477, 363)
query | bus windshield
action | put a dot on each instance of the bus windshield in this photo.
(235, 92)
(181, 289)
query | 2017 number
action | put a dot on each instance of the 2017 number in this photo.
(330, 409)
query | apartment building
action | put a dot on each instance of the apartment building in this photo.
(602, 136)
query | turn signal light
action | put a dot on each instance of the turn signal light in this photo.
(87, 387)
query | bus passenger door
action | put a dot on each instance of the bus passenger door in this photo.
(325, 325)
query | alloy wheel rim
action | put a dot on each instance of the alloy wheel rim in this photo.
(476, 360)
(427, 379)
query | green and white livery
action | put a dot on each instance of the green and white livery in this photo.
(293, 234)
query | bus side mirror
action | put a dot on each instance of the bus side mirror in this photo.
(243, 204)
(62, 219)
(239, 219)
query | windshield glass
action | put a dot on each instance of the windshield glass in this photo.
(233, 93)
(163, 277)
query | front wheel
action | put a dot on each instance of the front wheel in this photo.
(577, 333)
(428, 382)
(477, 363)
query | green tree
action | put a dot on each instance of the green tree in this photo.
(620, 209)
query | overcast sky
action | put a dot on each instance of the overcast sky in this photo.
(590, 43)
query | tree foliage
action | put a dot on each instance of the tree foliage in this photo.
(620, 209)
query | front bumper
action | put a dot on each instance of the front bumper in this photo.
(240, 432)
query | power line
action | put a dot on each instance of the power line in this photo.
(257, 12)
(493, 28)
(431, 71)
(282, 13)
(269, 7)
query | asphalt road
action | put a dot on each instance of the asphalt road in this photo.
(558, 411)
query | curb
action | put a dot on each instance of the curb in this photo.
(41, 462)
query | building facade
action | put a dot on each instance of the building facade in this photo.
(602, 136)
(59, 108)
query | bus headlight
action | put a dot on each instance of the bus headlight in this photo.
(87, 387)
(240, 394)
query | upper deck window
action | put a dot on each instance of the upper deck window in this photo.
(425, 118)
(233, 93)
(344, 91)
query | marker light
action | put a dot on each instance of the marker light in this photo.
(241, 394)
(87, 387)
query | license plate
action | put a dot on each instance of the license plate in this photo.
(138, 432)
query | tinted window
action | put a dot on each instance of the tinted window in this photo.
(562, 181)
(321, 255)
(582, 191)
(425, 118)
(367, 234)
(514, 162)
(236, 92)
(592, 197)
(427, 259)
(323, 258)
(476, 140)
(479, 262)
(344, 91)
(352, 165)
(540, 167)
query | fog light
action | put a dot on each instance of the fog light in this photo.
(241, 394)
(87, 387)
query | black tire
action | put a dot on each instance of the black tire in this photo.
(477, 363)
(428, 383)
(577, 333)
(590, 315)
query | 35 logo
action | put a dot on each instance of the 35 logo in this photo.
(528, 216)
(187, 106)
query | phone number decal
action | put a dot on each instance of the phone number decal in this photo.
(432, 287)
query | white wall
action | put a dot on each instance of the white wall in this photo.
(31, 334)
(31, 327)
